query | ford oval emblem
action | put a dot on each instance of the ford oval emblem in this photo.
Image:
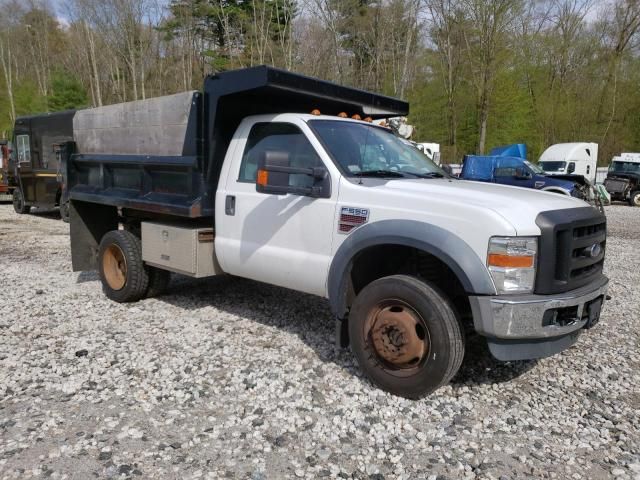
(595, 250)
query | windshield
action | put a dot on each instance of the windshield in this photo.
(553, 166)
(535, 168)
(367, 150)
(625, 167)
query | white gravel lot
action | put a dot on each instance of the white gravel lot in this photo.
(227, 378)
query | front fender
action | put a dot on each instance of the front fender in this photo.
(444, 245)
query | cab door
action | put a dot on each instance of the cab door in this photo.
(24, 165)
(279, 239)
(513, 171)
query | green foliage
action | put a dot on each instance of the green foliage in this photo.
(28, 99)
(67, 93)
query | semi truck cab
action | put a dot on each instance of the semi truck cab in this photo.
(293, 185)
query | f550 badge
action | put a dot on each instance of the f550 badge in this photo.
(351, 217)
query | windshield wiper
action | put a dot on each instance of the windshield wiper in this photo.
(430, 175)
(381, 173)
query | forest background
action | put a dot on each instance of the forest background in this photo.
(478, 73)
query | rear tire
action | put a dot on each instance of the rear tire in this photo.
(18, 202)
(406, 335)
(124, 276)
(158, 281)
(634, 199)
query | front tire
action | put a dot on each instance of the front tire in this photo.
(18, 202)
(124, 276)
(634, 199)
(406, 335)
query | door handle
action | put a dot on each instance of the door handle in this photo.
(230, 205)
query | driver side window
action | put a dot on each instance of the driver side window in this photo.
(23, 148)
(281, 137)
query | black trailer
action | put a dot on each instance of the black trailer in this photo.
(37, 169)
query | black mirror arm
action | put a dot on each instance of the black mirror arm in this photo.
(318, 173)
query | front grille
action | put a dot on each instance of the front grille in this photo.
(572, 249)
(615, 185)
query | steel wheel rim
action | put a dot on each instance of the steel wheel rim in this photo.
(114, 266)
(636, 200)
(398, 336)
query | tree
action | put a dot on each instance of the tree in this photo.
(487, 39)
(66, 92)
(445, 32)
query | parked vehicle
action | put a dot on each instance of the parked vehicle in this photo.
(518, 172)
(623, 178)
(579, 158)
(37, 178)
(5, 189)
(431, 150)
(251, 179)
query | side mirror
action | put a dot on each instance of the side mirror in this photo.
(571, 168)
(522, 174)
(274, 173)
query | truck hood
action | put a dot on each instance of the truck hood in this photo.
(518, 206)
(565, 180)
(626, 176)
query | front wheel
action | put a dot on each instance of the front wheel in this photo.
(18, 202)
(124, 276)
(406, 335)
(634, 199)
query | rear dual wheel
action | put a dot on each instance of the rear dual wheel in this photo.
(406, 335)
(124, 276)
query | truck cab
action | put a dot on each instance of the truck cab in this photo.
(284, 179)
(578, 158)
(37, 180)
(623, 178)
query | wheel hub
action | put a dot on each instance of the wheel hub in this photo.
(398, 335)
(114, 266)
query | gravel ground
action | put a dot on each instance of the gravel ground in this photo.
(227, 378)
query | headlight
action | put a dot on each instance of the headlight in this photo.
(512, 263)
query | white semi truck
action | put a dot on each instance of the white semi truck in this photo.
(578, 158)
(282, 178)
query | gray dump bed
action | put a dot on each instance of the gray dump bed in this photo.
(165, 126)
(163, 156)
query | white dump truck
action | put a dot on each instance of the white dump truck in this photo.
(283, 179)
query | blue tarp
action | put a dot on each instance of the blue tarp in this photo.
(477, 167)
(480, 167)
(514, 150)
